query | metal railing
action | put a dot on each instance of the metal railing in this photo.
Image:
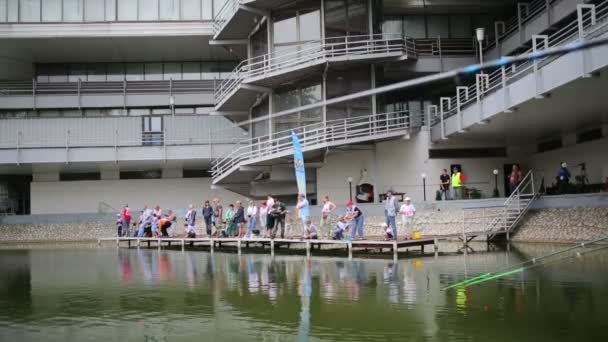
(504, 218)
(108, 87)
(317, 135)
(66, 133)
(445, 47)
(315, 52)
(586, 26)
(223, 15)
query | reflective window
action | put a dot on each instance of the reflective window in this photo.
(438, 26)
(414, 26)
(169, 9)
(285, 31)
(134, 72)
(310, 26)
(191, 9)
(172, 71)
(116, 72)
(73, 10)
(127, 10)
(148, 10)
(153, 72)
(191, 71)
(94, 10)
(29, 10)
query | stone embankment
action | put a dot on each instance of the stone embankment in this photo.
(539, 225)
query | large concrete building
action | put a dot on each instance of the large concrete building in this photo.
(106, 102)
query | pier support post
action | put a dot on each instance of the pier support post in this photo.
(421, 249)
(211, 245)
(138, 243)
(183, 245)
(308, 249)
(238, 246)
(271, 247)
(159, 243)
(350, 249)
(395, 251)
(436, 247)
(117, 242)
(129, 243)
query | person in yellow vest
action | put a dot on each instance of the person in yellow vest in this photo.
(456, 183)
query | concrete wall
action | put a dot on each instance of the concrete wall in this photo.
(86, 196)
(593, 153)
(398, 165)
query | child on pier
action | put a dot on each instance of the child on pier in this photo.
(341, 227)
(388, 231)
(119, 225)
(311, 230)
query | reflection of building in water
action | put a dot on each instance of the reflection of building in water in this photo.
(252, 275)
(409, 286)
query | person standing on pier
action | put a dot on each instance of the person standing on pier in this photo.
(278, 213)
(263, 216)
(191, 222)
(231, 229)
(252, 215)
(239, 219)
(218, 215)
(356, 215)
(326, 212)
(304, 212)
(208, 217)
(407, 211)
(391, 208)
(126, 221)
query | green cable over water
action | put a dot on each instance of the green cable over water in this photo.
(529, 264)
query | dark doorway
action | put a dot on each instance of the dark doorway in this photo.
(16, 198)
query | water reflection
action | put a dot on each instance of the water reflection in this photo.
(146, 292)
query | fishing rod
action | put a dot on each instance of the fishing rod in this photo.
(528, 264)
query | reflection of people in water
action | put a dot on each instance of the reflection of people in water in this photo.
(252, 275)
(305, 292)
(124, 261)
(391, 279)
(165, 272)
(191, 272)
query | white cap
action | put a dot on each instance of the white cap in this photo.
(408, 199)
(383, 225)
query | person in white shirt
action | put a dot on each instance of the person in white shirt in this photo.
(341, 227)
(388, 231)
(326, 213)
(263, 215)
(407, 211)
(252, 214)
(304, 211)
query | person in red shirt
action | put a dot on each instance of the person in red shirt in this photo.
(126, 221)
(515, 178)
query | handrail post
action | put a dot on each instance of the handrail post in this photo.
(34, 93)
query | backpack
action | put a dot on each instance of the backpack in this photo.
(463, 178)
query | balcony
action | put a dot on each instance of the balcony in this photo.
(121, 94)
(259, 74)
(236, 19)
(314, 138)
(116, 139)
(505, 88)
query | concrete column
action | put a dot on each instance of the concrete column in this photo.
(47, 176)
(173, 173)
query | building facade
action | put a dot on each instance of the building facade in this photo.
(107, 102)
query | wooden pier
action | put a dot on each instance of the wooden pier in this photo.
(213, 244)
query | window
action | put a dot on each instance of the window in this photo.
(589, 135)
(29, 10)
(148, 10)
(127, 10)
(191, 9)
(195, 173)
(73, 10)
(457, 153)
(79, 176)
(549, 145)
(149, 174)
(152, 127)
(94, 10)
(169, 9)
(51, 10)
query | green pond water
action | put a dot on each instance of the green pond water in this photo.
(86, 293)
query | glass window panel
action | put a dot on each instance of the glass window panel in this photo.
(3, 12)
(438, 26)
(169, 9)
(58, 73)
(29, 10)
(460, 26)
(96, 72)
(310, 26)
(413, 26)
(483, 20)
(172, 71)
(207, 9)
(148, 10)
(156, 124)
(110, 13)
(94, 10)
(259, 42)
(335, 18)
(127, 10)
(13, 11)
(392, 25)
(77, 72)
(285, 31)
(116, 72)
(154, 71)
(134, 72)
(209, 70)
(191, 9)
(191, 71)
(73, 10)
(51, 10)
(358, 21)
(42, 73)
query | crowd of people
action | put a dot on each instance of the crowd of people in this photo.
(267, 220)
